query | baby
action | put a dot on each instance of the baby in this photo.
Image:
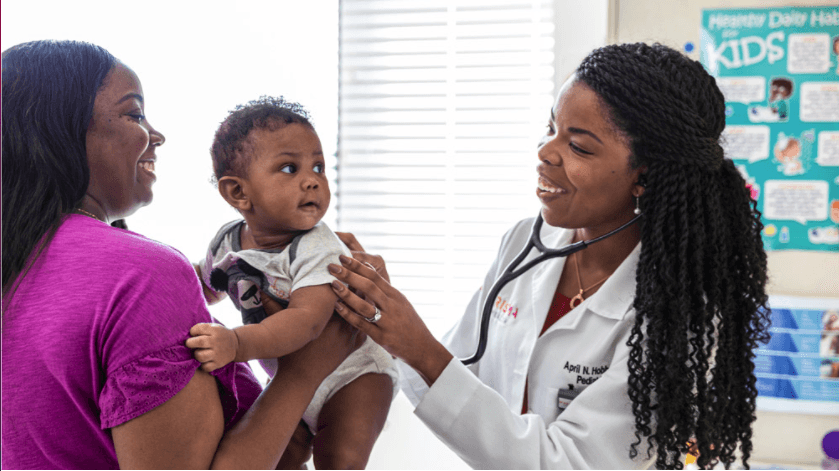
(269, 165)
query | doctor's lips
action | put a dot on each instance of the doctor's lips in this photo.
(548, 186)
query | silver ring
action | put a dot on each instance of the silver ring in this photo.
(376, 316)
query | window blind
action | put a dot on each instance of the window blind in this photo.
(441, 106)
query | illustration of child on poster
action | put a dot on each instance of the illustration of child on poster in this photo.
(780, 91)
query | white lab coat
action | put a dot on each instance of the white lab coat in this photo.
(476, 410)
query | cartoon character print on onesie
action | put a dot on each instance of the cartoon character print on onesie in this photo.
(229, 269)
(242, 281)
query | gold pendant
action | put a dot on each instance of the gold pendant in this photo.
(576, 300)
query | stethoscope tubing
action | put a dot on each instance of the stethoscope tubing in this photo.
(511, 272)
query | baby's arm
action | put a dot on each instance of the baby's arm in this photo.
(308, 311)
(307, 314)
(210, 295)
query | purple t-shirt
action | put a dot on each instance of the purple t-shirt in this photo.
(94, 337)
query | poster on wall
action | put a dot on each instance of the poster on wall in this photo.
(797, 370)
(778, 69)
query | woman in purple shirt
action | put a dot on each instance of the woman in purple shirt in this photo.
(95, 371)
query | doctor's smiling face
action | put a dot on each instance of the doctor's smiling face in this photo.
(585, 177)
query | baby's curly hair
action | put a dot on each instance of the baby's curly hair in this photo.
(229, 150)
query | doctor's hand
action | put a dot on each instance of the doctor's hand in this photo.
(399, 329)
(374, 261)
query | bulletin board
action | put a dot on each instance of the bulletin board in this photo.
(778, 69)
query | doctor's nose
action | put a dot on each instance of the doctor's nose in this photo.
(549, 152)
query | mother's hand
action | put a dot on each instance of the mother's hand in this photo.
(399, 330)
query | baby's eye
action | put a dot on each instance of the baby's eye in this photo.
(290, 168)
(318, 168)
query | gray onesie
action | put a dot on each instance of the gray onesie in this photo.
(277, 273)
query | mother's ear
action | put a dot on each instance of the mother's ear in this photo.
(233, 190)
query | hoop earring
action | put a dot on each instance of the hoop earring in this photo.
(637, 207)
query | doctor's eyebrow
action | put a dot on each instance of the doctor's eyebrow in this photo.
(576, 130)
(585, 131)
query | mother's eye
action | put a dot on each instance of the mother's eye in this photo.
(137, 117)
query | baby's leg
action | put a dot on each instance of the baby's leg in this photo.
(350, 422)
(299, 449)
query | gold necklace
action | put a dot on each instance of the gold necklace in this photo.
(87, 213)
(576, 300)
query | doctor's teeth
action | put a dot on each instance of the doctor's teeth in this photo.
(549, 189)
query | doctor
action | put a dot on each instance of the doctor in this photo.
(618, 355)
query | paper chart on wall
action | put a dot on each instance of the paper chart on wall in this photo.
(778, 69)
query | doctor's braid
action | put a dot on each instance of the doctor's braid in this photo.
(700, 297)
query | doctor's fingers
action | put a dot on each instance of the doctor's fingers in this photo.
(356, 321)
(350, 241)
(362, 277)
(352, 301)
(375, 261)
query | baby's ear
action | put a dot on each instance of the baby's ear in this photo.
(233, 190)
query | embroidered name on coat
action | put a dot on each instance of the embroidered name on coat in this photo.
(585, 374)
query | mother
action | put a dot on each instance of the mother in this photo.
(660, 348)
(95, 371)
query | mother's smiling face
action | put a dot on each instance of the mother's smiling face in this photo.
(585, 178)
(121, 147)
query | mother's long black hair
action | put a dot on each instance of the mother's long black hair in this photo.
(700, 296)
(49, 88)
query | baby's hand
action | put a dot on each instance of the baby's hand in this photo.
(215, 345)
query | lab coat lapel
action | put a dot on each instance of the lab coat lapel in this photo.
(546, 275)
(614, 299)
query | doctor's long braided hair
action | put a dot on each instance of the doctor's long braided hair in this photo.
(700, 296)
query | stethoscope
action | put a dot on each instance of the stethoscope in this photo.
(510, 273)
